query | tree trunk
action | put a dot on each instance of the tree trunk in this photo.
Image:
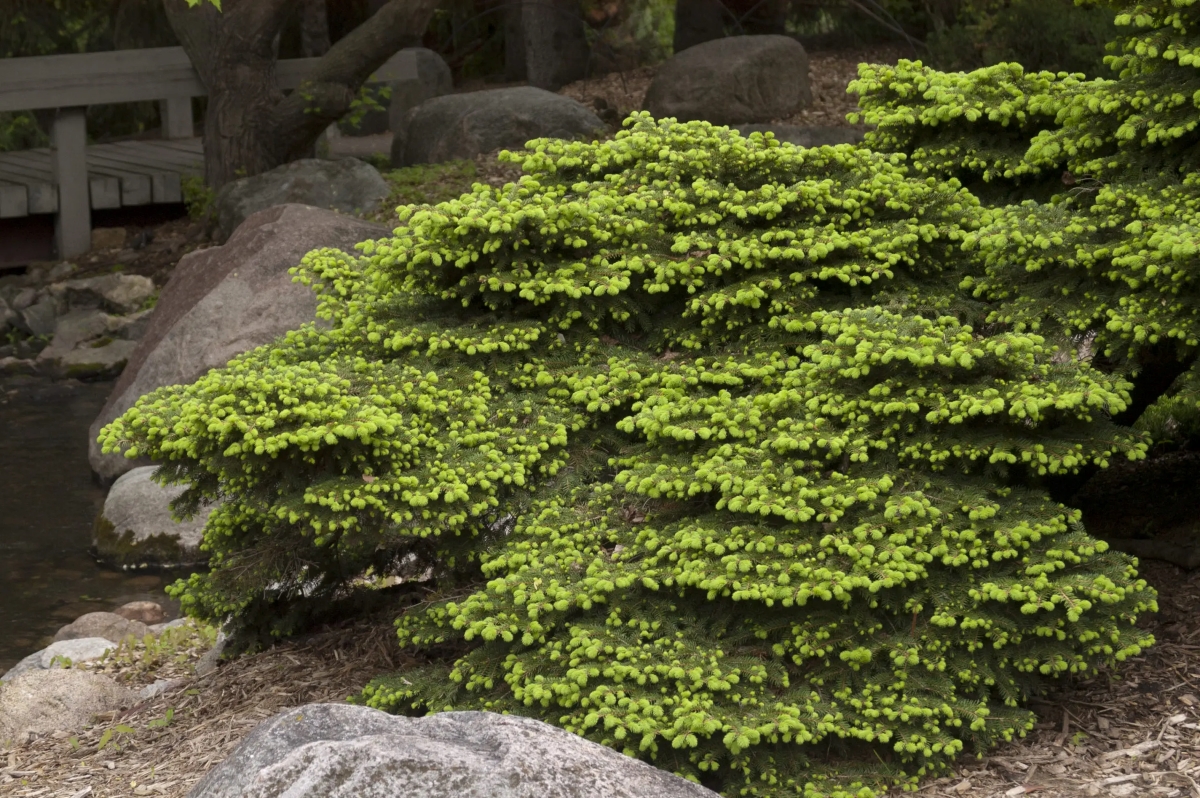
(314, 29)
(556, 47)
(250, 126)
(698, 21)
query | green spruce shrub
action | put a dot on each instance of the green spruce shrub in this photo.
(712, 460)
(1102, 255)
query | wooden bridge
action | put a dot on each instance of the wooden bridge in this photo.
(71, 178)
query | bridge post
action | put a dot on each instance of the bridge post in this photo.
(73, 225)
(176, 113)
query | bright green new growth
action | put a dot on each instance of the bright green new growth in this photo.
(1105, 259)
(753, 493)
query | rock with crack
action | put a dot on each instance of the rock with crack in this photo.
(733, 80)
(223, 301)
(340, 751)
(347, 185)
(465, 125)
(43, 701)
(136, 527)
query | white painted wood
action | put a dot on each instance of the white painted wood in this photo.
(165, 184)
(14, 201)
(104, 191)
(43, 198)
(73, 227)
(124, 76)
(116, 76)
(176, 113)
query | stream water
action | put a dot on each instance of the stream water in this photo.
(48, 503)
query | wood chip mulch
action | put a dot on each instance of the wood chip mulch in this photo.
(210, 715)
(1135, 732)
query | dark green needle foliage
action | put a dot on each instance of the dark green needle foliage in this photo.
(713, 462)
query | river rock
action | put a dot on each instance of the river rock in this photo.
(347, 185)
(10, 365)
(86, 344)
(135, 528)
(148, 612)
(806, 136)
(8, 316)
(116, 293)
(732, 80)
(39, 318)
(339, 751)
(82, 649)
(43, 701)
(222, 301)
(461, 126)
(107, 625)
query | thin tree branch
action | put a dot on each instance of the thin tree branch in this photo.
(338, 76)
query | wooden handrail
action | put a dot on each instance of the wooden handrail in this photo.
(69, 83)
(125, 76)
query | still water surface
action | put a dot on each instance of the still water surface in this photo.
(48, 502)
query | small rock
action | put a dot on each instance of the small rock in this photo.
(148, 612)
(8, 316)
(60, 271)
(116, 293)
(93, 357)
(24, 298)
(347, 185)
(159, 628)
(340, 751)
(17, 365)
(465, 125)
(136, 526)
(210, 659)
(44, 701)
(40, 317)
(732, 80)
(108, 625)
(132, 327)
(159, 687)
(108, 237)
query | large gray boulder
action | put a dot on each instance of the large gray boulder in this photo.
(223, 301)
(43, 701)
(347, 185)
(465, 125)
(341, 751)
(136, 528)
(732, 80)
